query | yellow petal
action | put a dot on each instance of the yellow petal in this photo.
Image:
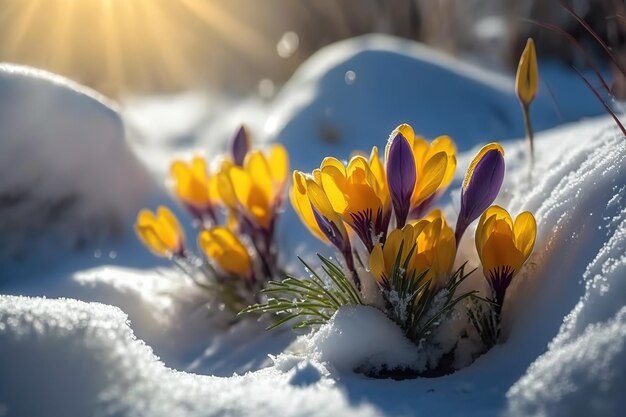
(377, 168)
(420, 149)
(499, 251)
(321, 203)
(223, 247)
(199, 169)
(317, 176)
(446, 252)
(171, 232)
(259, 172)
(378, 171)
(377, 263)
(407, 132)
(146, 218)
(226, 189)
(357, 163)
(191, 181)
(433, 175)
(302, 206)
(333, 162)
(483, 230)
(278, 161)
(150, 238)
(525, 230)
(500, 214)
(334, 184)
(179, 169)
(250, 196)
(445, 144)
(392, 247)
(477, 159)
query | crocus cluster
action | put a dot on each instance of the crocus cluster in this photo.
(235, 208)
(381, 210)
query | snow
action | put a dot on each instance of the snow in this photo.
(56, 192)
(138, 350)
(70, 358)
(363, 338)
(585, 365)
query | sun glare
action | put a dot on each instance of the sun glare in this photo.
(121, 45)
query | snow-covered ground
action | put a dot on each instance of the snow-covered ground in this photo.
(140, 344)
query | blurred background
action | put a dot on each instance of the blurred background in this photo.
(251, 47)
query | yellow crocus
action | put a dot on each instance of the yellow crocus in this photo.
(224, 249)
(435, 163)
(435, 250)
(527, 77)
(160, 232)
(255, 189)
(503, 245)
(526, 83)
(356, 192)
(195, 187)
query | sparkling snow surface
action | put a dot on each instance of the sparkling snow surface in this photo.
(140, 344)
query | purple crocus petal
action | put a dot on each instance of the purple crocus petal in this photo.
(481, 190)
(240, 145)
(401, 176)
(331, 231)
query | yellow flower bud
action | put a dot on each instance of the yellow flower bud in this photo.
(223, 247)
(527, 77)
(161, 233)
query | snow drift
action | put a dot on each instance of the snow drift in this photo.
(68, 176)
(88, 362)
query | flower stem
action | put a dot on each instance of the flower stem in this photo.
(529, 133)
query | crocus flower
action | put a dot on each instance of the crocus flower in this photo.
(527, 77)
(255, 190)
(356, 193)
(433, 245)
(526, 82)
(401, 176)
(196, 188)
(225, 250)
(160, 232)
(481, 185)
(240, 145)
(435, 163)
(503, 246)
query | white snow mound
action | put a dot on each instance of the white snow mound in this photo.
(70, 358)
(363, 338)
(67, 173)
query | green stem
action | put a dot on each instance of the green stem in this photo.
(529, 133)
